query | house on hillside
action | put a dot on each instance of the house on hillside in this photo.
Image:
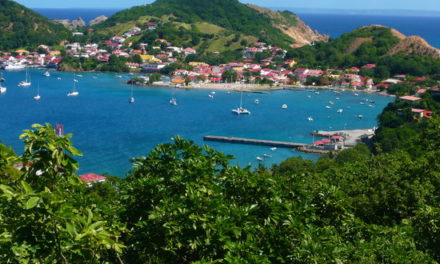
(92, 178)
(150, 25)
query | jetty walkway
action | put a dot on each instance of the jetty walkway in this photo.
(260, 142)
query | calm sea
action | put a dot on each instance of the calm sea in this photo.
(331, 24)
(110, 131)
(338, 24)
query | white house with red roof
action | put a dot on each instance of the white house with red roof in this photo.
(118, 39)
(301, 71)
(92, 178)
(189, 51)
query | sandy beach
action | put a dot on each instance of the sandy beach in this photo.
(255, 87)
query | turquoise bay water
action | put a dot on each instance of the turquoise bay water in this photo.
(109, 131)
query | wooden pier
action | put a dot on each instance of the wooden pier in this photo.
(247, 141)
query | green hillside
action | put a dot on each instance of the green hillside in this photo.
(371, 45)
(203, 21)
(22, 27)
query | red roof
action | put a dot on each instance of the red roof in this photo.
(326, 140)
(411, 98)
(420, 79)
(91, 177)
(369, 66)
(421, 91)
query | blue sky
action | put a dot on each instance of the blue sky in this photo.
(432, 5)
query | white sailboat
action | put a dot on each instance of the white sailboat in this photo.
(37, 97)
(241, 110)
(173, 100)
(27, 81)
(284, 106)
(74, 92)
(131, 100)
(47, 74)
(2, 79)
(2, 89)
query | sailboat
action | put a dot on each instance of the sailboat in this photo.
(173, 100)
(2, 89)
(74, 92)
(1, 77)
(26, 82)
(47, 74)
(131, 100)
(241, 110)
(38, 97)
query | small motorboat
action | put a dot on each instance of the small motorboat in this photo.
(340, 111)
(131, 100)
(328, 107)
(47, 74)
(173, 101)
(284, 106)
(310, 118)
(267, 155)
(2, 89)
(211, 96)
(241, 111)
(273, 149)
(74, 93)
(257, 101)
(260, 159)
(331, 102)
(360, 116)
(24, 84)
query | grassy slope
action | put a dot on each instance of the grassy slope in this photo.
(209, 16)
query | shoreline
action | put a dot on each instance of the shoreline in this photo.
(251, 88)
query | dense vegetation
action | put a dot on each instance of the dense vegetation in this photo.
(367, 45)
(21, 27)
(186, 204)
(228, 14)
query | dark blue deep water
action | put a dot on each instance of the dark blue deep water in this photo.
(74, 13)
(338, 24)
(110, 131)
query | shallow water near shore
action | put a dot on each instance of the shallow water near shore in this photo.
(109, 131)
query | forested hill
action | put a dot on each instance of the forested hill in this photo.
(393, 52)
(22, 27)
(219, 19)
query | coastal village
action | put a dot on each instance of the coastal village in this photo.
(273, 71)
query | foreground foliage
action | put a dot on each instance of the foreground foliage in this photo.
(186, 204)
